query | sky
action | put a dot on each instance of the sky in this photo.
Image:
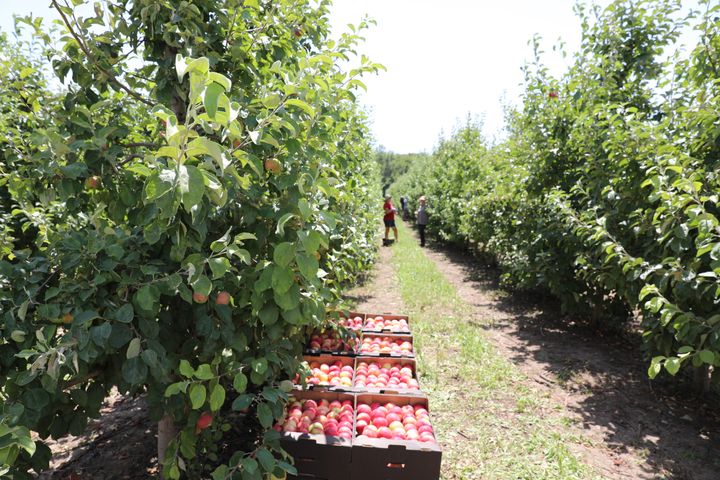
(445, 60)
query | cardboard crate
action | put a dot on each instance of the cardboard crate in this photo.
(345, 360)
(348, 314)
(350, 352)
(402, 338)
(383, 459)
(404, 361)
(320, 456)
(387, 316)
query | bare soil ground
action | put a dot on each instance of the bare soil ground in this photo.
(120, 445)
(636, 429)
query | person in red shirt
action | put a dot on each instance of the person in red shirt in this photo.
(389, 218)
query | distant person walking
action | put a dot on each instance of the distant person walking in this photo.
(404, 208)
(389, 218)
(422, 219)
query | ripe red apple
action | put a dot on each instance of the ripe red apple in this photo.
(67, 318)
(203, 422)
(553, 95)
(298, 32)
(199, 297)
(93, 183)
(223, 298)
(272, 165)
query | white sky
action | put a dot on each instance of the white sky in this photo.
(445, 60)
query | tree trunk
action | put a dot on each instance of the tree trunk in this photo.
(702, 377)
(166, 432)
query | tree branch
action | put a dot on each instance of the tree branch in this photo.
(92, 58)
(140, 144)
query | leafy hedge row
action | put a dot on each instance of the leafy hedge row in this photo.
(174, 221)
(605, 192)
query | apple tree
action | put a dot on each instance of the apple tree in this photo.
(176, 219)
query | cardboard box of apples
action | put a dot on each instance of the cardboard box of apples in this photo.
(386, 323)
(317, 432)
(339, 435)
(362, 374)
(370, 344)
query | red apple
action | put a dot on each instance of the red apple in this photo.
(93, 183)
(272, 165)
(223, 298)
(199, 297)
(203, 422)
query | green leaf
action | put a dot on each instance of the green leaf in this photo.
(220, 79)
(259, 366)
(308, 265)
(284, 253)
(240, 382)
(268, 314)
(280, 230)
(186, 369)
(101, 333)
(197, 396)
(707, 356)
(295, 102)
(125, 314)
(133, 349)
(282, 279)
(146, 298)
(242, 402)
(175, 388)
(134, 371)
(217, 398)
(202, 285)
(305, 210)
(192, 186)
(211, 98)
(272, 101)
(266, 459)
(672, 365)
(204, 372)
(265, 415)
(219, 266)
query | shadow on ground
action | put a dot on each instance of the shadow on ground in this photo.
(670, 432)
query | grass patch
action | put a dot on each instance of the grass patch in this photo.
(490, 424)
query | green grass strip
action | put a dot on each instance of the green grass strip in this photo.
(491, 425)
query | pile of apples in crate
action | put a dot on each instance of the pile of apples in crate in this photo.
(360, 411)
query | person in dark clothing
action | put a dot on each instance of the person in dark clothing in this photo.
(404, 208)
(422, 219)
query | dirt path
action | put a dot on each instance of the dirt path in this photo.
(379, 293)
(635, 431)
